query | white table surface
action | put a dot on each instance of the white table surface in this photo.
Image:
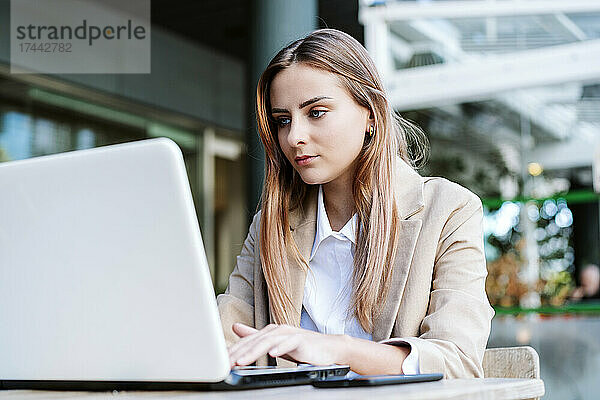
(488, 388)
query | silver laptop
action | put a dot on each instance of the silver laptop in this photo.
(104, 282)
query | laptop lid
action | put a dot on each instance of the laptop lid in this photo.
(103, 275)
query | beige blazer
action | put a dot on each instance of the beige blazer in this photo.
(437, 301)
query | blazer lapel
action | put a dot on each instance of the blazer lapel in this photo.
(303, 226)
(384, 321)
(409, 195)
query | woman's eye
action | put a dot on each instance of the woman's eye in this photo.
(283, 121)
(315, 113)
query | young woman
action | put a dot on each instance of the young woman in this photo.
(353, 258)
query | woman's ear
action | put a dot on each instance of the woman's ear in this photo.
(371, 117)
(370, 121)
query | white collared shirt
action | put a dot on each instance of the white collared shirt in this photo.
(328, 288)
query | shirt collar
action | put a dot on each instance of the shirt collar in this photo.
(409, 200)
(324, 228)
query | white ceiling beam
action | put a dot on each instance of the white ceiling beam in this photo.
(534, 108)
(528, 105)
(485, 78)
(438, 33)
(377, 41)
(570, 27)
(400, 48)
(403, 11)
(568, 93)
(576, 152)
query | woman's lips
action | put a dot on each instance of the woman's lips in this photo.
(305, 160)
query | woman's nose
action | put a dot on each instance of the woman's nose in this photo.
(298, 133)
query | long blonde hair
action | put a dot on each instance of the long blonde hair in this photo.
(374, 184)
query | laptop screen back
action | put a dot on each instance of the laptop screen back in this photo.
(103, 274)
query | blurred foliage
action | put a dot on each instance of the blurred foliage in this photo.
(503, 286)
(557, 289)
(553, 235)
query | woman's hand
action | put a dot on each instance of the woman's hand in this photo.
(294, 344)
(300, 345)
